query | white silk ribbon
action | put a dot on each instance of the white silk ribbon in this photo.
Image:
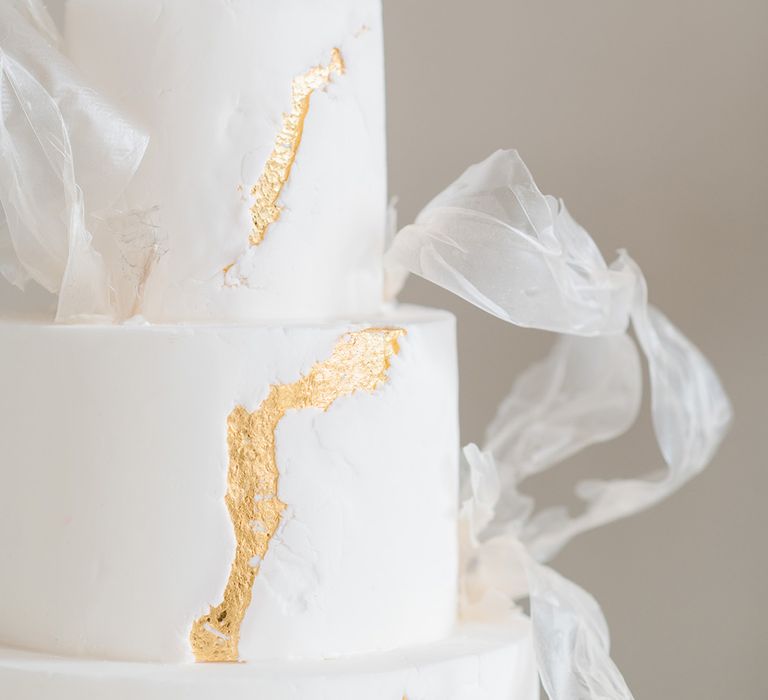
(495, 240)
(65, 154)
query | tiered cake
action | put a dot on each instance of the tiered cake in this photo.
(257, 462)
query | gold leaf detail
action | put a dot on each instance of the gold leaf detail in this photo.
(266, 211)
(359, 362)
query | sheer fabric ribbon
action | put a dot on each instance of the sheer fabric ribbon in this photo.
(495, 240)
(66, 156)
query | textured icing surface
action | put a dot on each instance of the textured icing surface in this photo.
(359, 362)
(213, 88)
(491, 663)
(125, 499)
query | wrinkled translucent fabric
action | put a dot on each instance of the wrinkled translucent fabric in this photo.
(495, 240)
(587, 390)
(570, 637)
(690, 412)
(65, 157)
(570, 634)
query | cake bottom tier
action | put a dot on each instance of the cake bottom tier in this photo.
(475, 663)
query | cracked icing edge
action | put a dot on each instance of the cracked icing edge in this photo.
(359, 362)
(277, 170)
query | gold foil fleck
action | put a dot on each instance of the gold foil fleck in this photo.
(266, 210)
(359, 362)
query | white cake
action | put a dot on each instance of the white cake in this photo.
(256, 462)
(211, 86)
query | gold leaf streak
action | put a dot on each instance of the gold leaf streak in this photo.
(266, 211)
(359, 362)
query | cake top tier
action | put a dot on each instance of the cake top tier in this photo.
(248, 177)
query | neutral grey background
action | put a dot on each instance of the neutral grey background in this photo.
(649, 119)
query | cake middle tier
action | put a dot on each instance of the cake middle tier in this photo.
(225, 493)
(262, 194)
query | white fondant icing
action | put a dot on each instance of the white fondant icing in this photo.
(211, 86)
(484, 663)
(114, 535)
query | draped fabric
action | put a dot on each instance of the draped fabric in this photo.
(66, 156)
(495, 240)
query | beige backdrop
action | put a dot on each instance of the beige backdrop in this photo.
(649, 119)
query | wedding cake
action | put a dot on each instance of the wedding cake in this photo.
(228, 469)
(229, 460)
